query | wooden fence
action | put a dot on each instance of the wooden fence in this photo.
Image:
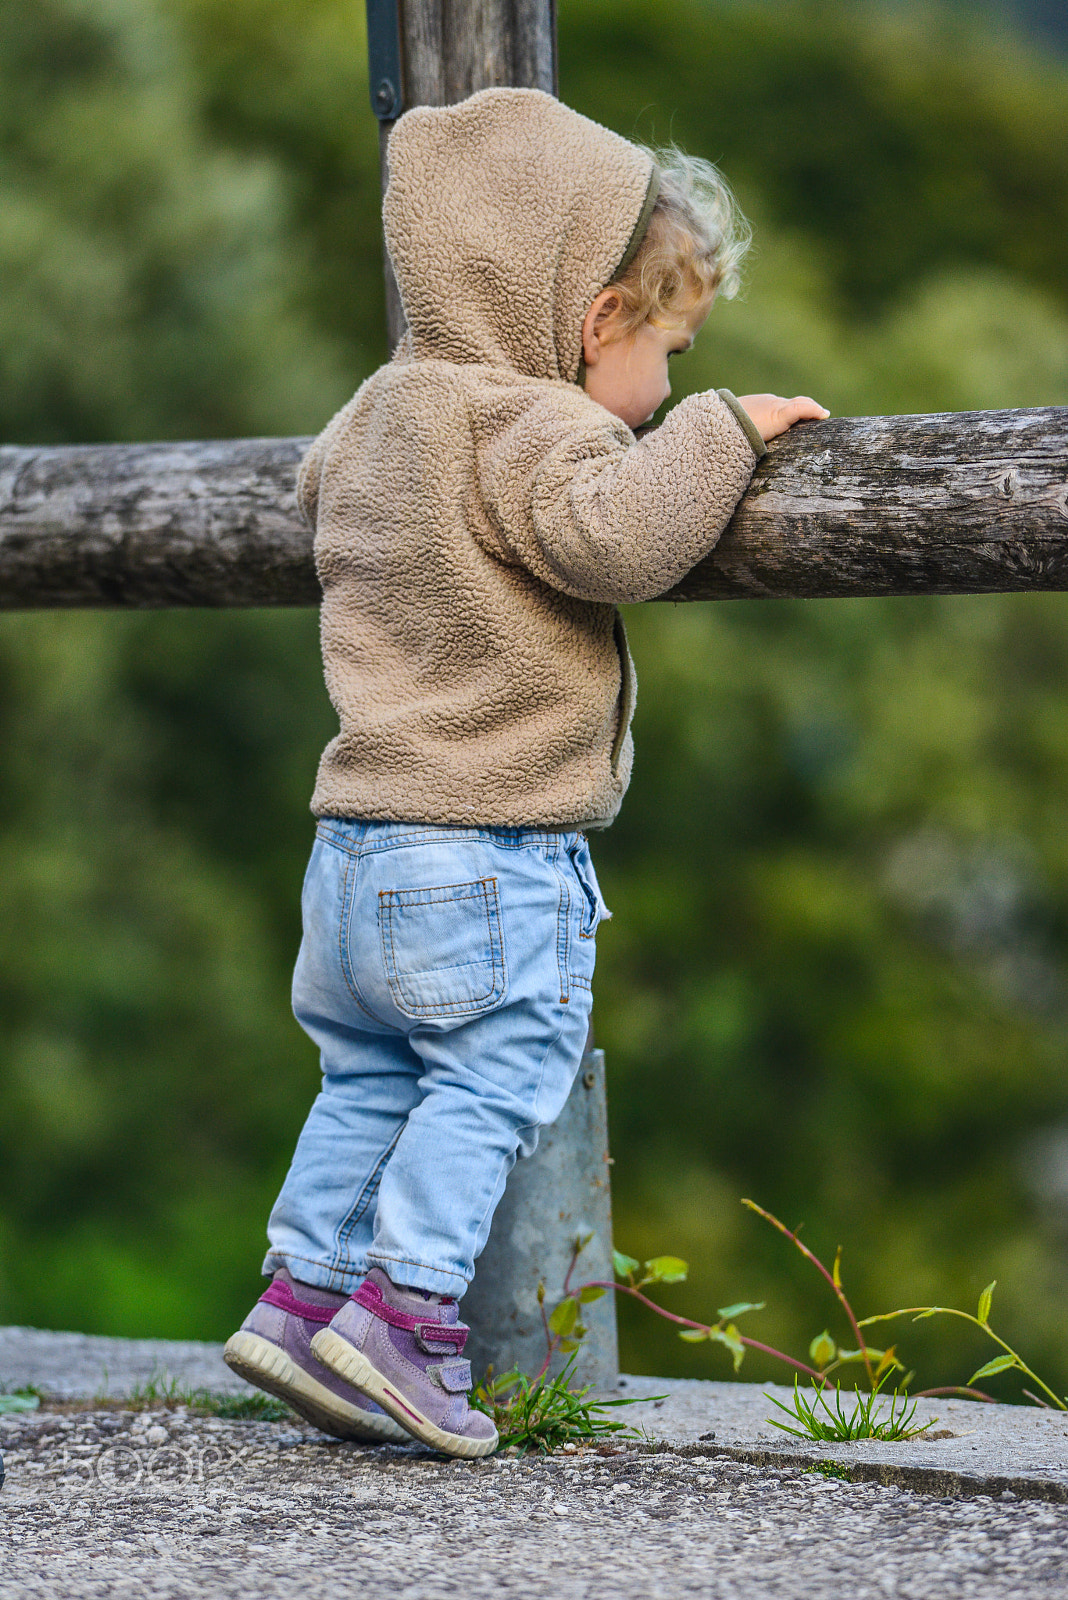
(957, 503)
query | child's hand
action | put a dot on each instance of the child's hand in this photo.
(772, 414)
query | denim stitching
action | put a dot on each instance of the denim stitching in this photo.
(505, 839)
(438, 894)
(549, 1048)
(592, 904)
(563, 930)
(494, 913)
(516, 839)
(424, 1266)
(363, 1199)
(408, 839)
(351, 846)
(351, 869)
(313, 1261)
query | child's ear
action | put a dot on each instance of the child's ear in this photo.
(599, 325)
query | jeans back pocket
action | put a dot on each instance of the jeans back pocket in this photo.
(443, 948)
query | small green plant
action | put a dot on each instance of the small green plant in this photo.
(543, 1413)
(825, 1423)
(25, 1399)
(830, 1469)
(241, 1407)
(161, 1391)
(828, 1356)
(1008, 1361)
(564, 1330)
(533, 1412)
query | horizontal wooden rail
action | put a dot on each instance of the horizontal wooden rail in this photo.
(957, 503)
(147, 525)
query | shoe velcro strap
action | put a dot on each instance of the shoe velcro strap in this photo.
(454, 1376)
(444, 1335)
(438, 1337)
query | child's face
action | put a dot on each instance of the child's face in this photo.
(628, 374)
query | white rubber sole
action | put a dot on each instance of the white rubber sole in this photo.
(260, 1362)
(340, 1356)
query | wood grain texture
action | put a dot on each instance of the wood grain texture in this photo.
(953, 503)
(966, 502)
(152, 525)
(449, 51)
(452, 49)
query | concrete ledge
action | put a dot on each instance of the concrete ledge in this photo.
(84, 1366)
(970, 1449)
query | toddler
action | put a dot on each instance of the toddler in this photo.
(479, 508)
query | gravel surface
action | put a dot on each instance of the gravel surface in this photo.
(969, 1448)
(114, 1503)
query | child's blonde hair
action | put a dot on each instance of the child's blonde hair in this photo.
(692, 248)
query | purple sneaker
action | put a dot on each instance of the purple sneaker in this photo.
(272, 1349)
(402, 1348)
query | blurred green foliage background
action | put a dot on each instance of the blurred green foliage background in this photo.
(835, 980)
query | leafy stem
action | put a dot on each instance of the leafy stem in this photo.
(564, 1333)
(709, 1330)
(1002, 1363)
(544, 1414)
(832, 1278)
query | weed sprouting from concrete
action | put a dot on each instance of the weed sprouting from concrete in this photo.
(825, 1423)
(830, 1469)
(1008, 1361)
(544, 1414)
(162, 1392)
(27, 1398)
(564, 1331)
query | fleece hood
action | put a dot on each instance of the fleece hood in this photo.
(504, 217)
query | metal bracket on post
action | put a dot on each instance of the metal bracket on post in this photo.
(384, 59)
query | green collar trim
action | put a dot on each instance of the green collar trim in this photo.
(637, 235)
(651, 196)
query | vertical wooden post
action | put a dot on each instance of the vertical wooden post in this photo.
(446, 53)
(427, 52)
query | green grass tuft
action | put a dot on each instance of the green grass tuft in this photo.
(545, 1413)
(27, 1398)
(831, 1469)
(863, 1422)
(243, 1407)
(163, 1392)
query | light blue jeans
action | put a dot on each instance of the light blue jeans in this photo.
(445, 975)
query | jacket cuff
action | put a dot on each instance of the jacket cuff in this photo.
(748, 426)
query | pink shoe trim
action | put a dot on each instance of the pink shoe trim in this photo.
(369, 1295)
(397, 1401)
(281, 1295)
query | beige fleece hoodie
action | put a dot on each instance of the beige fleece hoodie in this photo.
(477, 516)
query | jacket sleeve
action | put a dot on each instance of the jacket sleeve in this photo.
(573, 497)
